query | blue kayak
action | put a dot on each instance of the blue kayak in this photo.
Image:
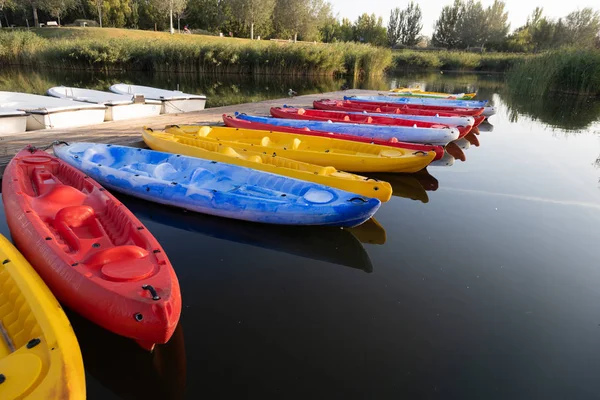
(435, 136)
(421, 101)
(215, 188)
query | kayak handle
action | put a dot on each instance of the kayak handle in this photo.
(420, 152)
(150, 288)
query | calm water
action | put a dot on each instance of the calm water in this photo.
(478, 280)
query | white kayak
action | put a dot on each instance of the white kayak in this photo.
(12, 121)
(45, 112)
(118, 106)
(173, 101)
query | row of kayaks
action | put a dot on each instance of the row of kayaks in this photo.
(66, 107)
(78, 244)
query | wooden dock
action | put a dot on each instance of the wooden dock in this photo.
(129, 132)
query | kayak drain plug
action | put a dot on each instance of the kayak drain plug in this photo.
(152, 291)
(138, 317)
(33, 342)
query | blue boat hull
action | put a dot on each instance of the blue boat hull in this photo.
(437, 136)
(421, 101)
(214, 188)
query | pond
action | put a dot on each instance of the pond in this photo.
(478, 279)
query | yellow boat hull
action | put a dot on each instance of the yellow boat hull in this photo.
(344, 155)
(415, 92)
(329, 176)
(39, 353)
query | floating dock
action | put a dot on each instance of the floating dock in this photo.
(129, 132)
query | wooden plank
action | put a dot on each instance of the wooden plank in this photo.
(129, 132)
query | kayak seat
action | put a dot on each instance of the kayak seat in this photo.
(121, 263)
(256, 159)
(201, 175)
(204, 131)
(228, 151)
(296, 143)
(77, 224)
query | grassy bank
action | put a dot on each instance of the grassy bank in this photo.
(116, 49)
(454, 60)
(567, 71)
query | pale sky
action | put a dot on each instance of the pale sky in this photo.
(518, 10)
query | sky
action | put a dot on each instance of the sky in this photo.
(518, 10)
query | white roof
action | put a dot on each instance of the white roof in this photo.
(153, 93)
(36, 104)
(93, 96)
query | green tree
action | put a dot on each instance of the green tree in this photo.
(497, 25)
(5, 5)
(370, 29)
(346, 31)
(410, 25)
(582, 27)
(97, 7)
(290, 16)
(472, 30)
(393, 28)
(446, 28)
(57, 8)
(251, 12)
(205, 14)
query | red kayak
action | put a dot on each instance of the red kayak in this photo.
(233, 122)
(92, 252)
(390, 108)
(342, 116)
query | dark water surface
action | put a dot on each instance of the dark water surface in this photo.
(478, 280)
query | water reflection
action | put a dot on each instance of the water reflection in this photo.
(127, 370)
(220, 89)
(568, 112)
(370, 232)
(329, 244)
(485, 126)
(406, 186)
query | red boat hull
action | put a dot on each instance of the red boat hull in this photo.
(347, 105)
(92, 252)
(341, 116)
(242, 124)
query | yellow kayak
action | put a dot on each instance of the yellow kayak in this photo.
(39, 353)
(172, 142)
(341, 154)
(416, 92)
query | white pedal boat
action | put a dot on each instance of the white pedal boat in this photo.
(118, 106)
(173, 101)
(12, 121)
(45, 112)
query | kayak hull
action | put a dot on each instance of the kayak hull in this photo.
(171, 142)
(215, 188)
(90, 250)
(341, 154)
(40, 356)
(440, 136)
(398, 109)
(234, 122)
(343, 117)
(421, 101)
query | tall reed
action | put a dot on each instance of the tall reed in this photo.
(162, 54)
(564, 70)
(454, 60)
